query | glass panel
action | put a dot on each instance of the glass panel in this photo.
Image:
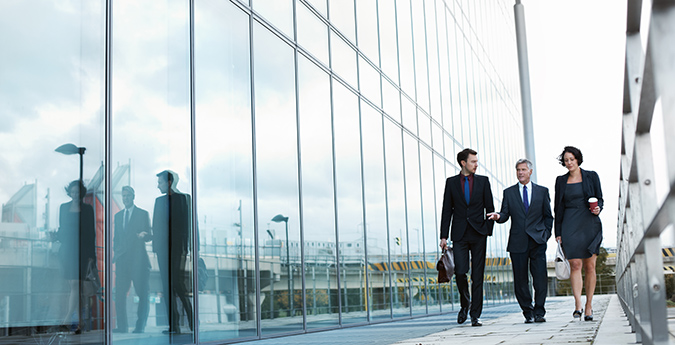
(343, 63)
(388, 49)
(342, 16)
(379, 273)
(391, 99)
(350, 205)
(446, 86)
(151, 122)
(318, 208)
(432, 32)
(277, 180)
(319, 5)
(366, 12)
(397, 222)
(405, 47)
(278, 12)
(312, 34)
(430, 249)
(420, 51)
(370, 82)
(424, 125)
(52, 230)
(409, 114)
(414, 217)
(227, 305)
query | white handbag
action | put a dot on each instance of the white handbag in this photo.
(562, 266)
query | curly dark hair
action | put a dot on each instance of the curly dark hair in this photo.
(574, 151)
(76, 183)
(464, 155)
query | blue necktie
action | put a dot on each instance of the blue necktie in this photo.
(467, 195)
(525, 201)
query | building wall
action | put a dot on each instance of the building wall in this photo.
(314, 138)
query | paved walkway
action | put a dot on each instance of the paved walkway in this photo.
(502, 324)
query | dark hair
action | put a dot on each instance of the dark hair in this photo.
(464, 155)
(574, 151)
(83, 189)
(170, 177)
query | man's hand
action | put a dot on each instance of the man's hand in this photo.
(493, 216)
(444, 243)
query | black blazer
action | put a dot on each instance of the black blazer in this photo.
(171, 225)
(536, 223)
(128, 248)
(461, 214)
(591, 186)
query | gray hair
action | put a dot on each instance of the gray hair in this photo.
(526, 161)
(128, 189)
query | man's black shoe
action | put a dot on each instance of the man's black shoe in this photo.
(476, 322)
(529, 319)
(461, 316)
(539, 319)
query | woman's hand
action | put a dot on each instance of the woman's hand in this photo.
(444, 243)
(558, 239)
(596, 210)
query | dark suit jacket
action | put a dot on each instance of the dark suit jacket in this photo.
(461, 214)
(171, 225)
(128, 248)
(536, 223)
(591, 186)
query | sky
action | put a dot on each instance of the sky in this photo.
(576, 53)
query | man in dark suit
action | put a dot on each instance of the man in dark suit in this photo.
(529, 207)
(132, 230)
(466, 201)
(171, 225)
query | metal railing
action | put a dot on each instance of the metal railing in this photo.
(649, 80)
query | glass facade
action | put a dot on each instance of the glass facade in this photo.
(218, 171)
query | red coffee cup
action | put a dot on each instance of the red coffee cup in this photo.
(592, 203)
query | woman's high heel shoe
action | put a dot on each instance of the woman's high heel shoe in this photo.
(588, 317)
(577, 314)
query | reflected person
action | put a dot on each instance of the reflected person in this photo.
(529, 207)
(171, 226)
(77, 234)
(132, 230)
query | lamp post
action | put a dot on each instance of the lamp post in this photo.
(278, 219)
(70, 149)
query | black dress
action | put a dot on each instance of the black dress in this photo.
(581, 229)
(77, 234)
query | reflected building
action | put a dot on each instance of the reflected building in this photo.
(312, 140)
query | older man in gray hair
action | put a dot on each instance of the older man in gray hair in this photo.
(529, 207)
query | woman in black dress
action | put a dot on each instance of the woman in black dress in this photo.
(77, 234)
(577, 225)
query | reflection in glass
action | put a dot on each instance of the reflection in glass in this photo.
(51, 238)
(366, 10)
(132, 264)
(414, 224)
(430, 249)
(397, 218)
(349, 205)
(379, 274)
(318, 207)
(277, 180)
(312, 33)
(77, 255)
(227, 299)
(343, 63)
(172, 227)
(278, 12)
